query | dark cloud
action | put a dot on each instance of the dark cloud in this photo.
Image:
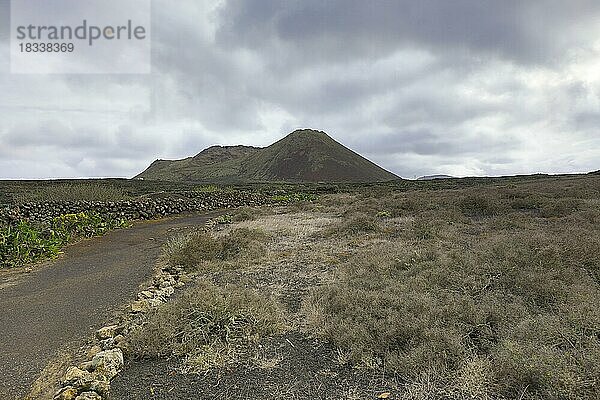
(431, 86)
(526, 31)
(426, 143)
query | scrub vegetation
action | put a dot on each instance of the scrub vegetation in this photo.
(26, 243)
(482, 292)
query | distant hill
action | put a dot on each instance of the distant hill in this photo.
(433, 177)
(302, 156)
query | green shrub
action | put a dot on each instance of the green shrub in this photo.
(192, 249)
(84, 224)
(384, 214)
(26, 243)
(293, 197)
(223, 219)
(207, 189)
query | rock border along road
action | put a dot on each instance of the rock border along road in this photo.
(61, 303)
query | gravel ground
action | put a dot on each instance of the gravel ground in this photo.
(294, 367)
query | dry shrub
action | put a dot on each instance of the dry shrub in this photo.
(547, 207)
(245, 214)
(497, 317)
(208, 325)
(480, 205)
(486, 292)
(356, 224)
(194, 249)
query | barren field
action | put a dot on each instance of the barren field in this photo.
(480, 292)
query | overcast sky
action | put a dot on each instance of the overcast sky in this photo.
(462, 87)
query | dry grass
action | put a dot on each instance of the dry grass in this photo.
(488, 293)
(294, 228)
(47, 382)
(246, 214)
(208, 326)
(476, 293)
(200, 249)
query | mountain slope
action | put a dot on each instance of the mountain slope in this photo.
(302, 156)
(214, 163)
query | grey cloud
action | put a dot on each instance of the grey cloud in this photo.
(428, 143)
(433, 108)
(587, 120)
(512, 28)
(75, 143)
(431, 86)
(53, 133)
(4, 19)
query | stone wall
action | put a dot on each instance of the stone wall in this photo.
(143, 208)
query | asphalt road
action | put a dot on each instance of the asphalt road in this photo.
(60, 304)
